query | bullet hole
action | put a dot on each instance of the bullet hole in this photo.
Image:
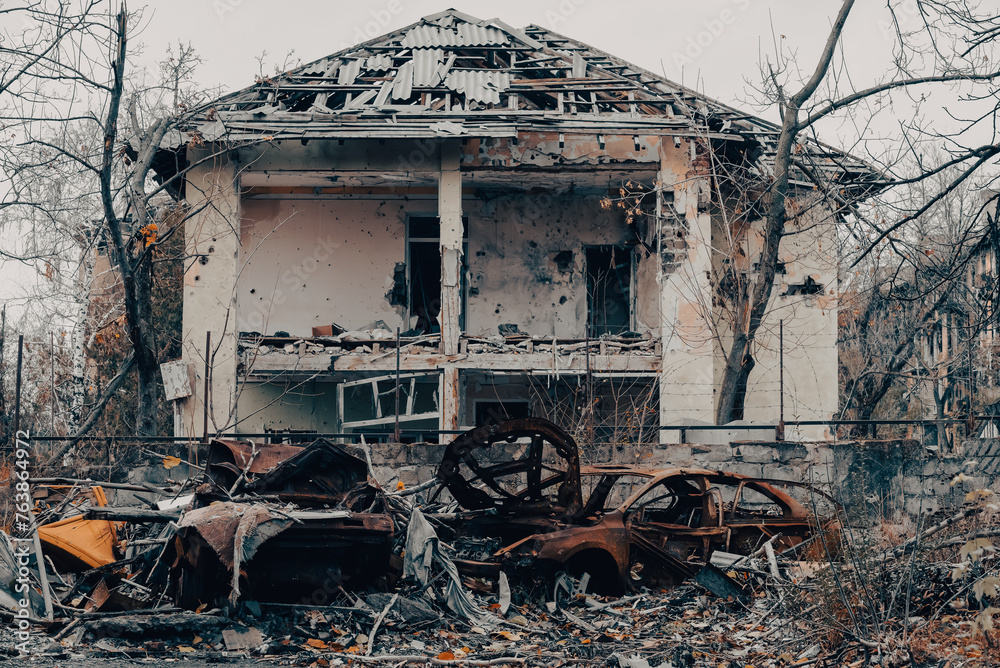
(203, 259)
(563, 261)
(253, 291)
(197, 278)
(211, 249)
(563, 300)
(533, 244)
(497, 311)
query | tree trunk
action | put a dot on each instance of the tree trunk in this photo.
(732, 389)
(142, 339)
(78, 391)
(740, 360)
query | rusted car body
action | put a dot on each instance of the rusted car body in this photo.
(638, 526)
(336, 532)
(667, 528)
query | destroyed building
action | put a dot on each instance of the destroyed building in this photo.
(518, 222)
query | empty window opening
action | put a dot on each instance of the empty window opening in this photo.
(424, 271)
(493, 412)
(368, 406)
(425, 285)
(609, 290)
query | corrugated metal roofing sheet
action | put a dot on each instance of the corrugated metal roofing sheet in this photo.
(473, 34)
(323, 67)
(402, 85)
(427, 67)
(379, 62)
(465, 34)
(348, 72)
(481, 85)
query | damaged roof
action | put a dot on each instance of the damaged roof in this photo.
(451, 74)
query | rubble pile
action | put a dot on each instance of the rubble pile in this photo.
(294, 554)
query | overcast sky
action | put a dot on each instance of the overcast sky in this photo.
(716, 43)
(714, 46)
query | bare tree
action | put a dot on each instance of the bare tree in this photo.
(109, 148)
(828, 91)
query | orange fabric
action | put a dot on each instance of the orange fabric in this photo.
(91, 541)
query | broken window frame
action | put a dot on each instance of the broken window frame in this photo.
(406, 413)
(590, 327)
(463, 270)
(534, 384)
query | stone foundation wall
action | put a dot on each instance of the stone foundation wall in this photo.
(884, 477)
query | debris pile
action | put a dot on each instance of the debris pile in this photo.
(516, 554)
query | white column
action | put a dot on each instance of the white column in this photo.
(450, 213)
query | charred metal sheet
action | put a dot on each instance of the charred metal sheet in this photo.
(716, 581)
(321, 473)
(237, 456)
(541, 477)
(238, 550)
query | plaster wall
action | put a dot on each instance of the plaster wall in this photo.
(515, 276)
(310, 405)
(809, 252)
(686, 385)
(209, 292)
(310, 262)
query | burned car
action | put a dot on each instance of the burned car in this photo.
(626, 526)
(281, 523)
